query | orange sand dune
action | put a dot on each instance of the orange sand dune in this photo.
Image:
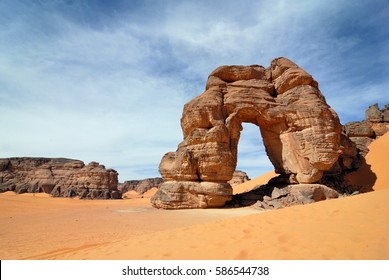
(41, 227)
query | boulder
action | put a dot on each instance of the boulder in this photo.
(190, 194)
(286, 195)
(277, 193)
(316, 192)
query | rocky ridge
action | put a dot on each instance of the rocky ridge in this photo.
(59, 177)
(364, 132)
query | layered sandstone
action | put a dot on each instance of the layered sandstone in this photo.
(142, 186)
(301, 133)
(364, 132)
(59, 177)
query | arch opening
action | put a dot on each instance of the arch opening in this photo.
(252, 157)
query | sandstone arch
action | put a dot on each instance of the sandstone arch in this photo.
(301, 133)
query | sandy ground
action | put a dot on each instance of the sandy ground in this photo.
(41, 227)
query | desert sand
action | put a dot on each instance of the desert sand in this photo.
(375, 172)
(356, 227)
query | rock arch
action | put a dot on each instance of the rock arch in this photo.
(301, 133)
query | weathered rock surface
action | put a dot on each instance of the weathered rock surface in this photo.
(238, 177)
(364, 132)
(140, 186)
(59, 177)
(191, 194)
(356, 138)
(375, 115)
(272, 196)
(301, 133)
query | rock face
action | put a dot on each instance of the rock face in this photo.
(301, 133)
(59, 177)
(140, 186)
(364, 132)
(375, 115)
(238, 177)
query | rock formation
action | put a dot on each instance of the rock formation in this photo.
(59, 177)
(364, 132)
(275, 196)
(238, 177)
(301, 133)
(375, 115)
(140, 186)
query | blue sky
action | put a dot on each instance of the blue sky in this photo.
(106, 81)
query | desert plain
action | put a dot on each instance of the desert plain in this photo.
(354, 227)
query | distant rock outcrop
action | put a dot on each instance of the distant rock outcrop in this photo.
(140, 186)
(301, 133)
(364, 132)
(238, 177)
(375, 115)
(59, 177)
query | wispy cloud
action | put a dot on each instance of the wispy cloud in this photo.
(108, 81)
